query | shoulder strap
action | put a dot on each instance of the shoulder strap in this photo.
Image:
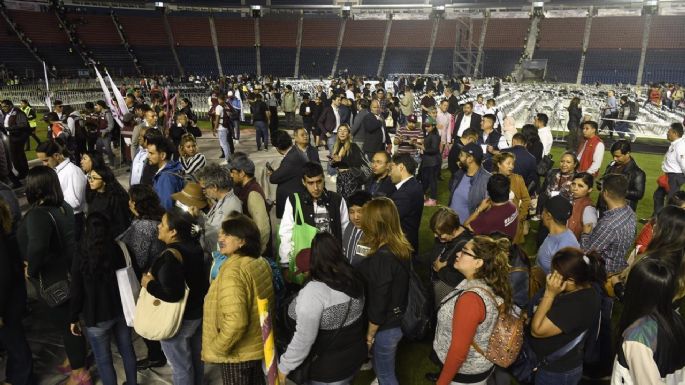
(298, 209)
(342, 323)
(124, 250)
(562, 351)
(54, 222)
(492, 297)
(175, 253)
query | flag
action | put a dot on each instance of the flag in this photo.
(117, 94)
(48, 102)
(269, 344)
(116, 113)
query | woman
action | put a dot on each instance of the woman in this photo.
(644, 239)
(47, 242)
(95, 297)
(652, 333)
(329, 312)
(668, 243)
(106, 195)
(503, 163)
(186, 108)
(19, 364)
(347, 158)
(232, 335)
(533, 143)
(180, 128)
(557, 182)
(584, 212)
(91, 160)
(570, 306)
(141, 239)
(191, 160)
(450, 237)
(575, 115)
(467, 316)
(386, 272)
(167, 279)
(431, 160)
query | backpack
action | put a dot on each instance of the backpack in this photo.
(506, 339)
(417, 315)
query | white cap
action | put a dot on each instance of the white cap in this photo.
(229, 93)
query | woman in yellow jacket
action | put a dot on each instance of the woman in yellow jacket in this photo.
(503, 163)
(231, 331)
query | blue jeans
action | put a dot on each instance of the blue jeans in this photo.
(262, 131)
(183, 353)
(330, 142)
(236, 129)
(621, 128)
(384, 351)
(346, 381)
(222, 133)
(572, 377)
(99, 337)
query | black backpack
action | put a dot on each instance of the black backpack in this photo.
(634, 110)
(416, 319)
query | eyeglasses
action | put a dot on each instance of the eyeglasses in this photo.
(469, 253)
(89, 176)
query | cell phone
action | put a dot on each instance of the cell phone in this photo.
(268, 166)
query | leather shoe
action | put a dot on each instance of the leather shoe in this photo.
(146, 364)
(432, 377)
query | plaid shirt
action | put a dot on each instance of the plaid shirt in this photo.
(612, 237)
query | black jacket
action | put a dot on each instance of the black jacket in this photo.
(453, 156)
(331, 200)
(525, 164)
(327, 121)
(374, 140)
(636, 183)
(171, 276)
(288, 177)
(475, 122)
(409, 202)
(387, 283)
(492, 140)
(114, 206)
(575, 115)
(382, 187)
(12, 283)
(96, 296)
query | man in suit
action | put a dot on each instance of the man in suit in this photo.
(328, 123)
(466, 119)
(409, 196)
(288, 176)
(374, 131)
(358, 135)
(489, 138)
(525, 164)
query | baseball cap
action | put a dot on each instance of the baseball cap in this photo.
(242, 163)
(474, 150)
(559, 208)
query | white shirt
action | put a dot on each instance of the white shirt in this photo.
(138, 165)
(349, 94)
(337, 119)
(73, 183)
(674, 161)
(597, 157)
(546, 138)
(498, 114)
(479, 108)
(219, 111)
(465, 123)
(285, 231)
(397, 186)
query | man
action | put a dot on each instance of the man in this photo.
(167, 180)
(288, 176)
(491, 108)
(489, 139)
(307, 108)
(308, 152)
(627, 111)
(71, 179)
(329, 121)
(237, 104)
(591, 151)
(149, 121)
(468, 186)
(30, 112)
(260, 118)
(479, 105)
(673, 166)
(468, 136)
(554, 216)
(525, 164)
(289, 105)
(611, 239)
(407, 102)
(271, 100)
(221, 127)
(611, 112)
(358, 135)
(544, 132)
(427, 103)
(375, 137)
(453, 102)
(409, 196)
(58, 108)
(140, 161)
(322, 209)
(381, 184)
(252, 198)
(104, 141)
(353, 232)
(625, 164)
(466, 119)
(495, 213)
(17, 127)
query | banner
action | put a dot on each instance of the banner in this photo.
(48, 102)
(270, 358)
(116, 113)
(123, 109)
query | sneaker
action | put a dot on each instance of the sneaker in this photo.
(366, 366)
(374, 382)
(266, 149)
(644, 221)
(429, 202)
(147, 364)
(236, 142)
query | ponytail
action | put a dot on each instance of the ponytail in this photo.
(573, 263)
(495, 269)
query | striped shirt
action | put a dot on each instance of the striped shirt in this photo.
(612, 237)
(406, 146)
(193, 164)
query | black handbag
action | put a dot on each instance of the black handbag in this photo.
(57, 293)
(301, 374)
(545, 165)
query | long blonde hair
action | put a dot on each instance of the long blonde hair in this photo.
(381, 227)
(345, 146)
(495, 269)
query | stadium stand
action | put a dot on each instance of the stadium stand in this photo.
(319, 44)
(503, 45)
(563, 50)
(613, 54)
(408, 46)
(362, 46)
(236, 44)
(194, 45)
(147, 36)
(278, 46)
(665, 50)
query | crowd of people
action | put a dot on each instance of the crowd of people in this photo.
(338, 270)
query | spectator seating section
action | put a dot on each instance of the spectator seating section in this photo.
(616, 33)
(317, 62)
(15, 56)
(278, 61)
(360, 61)
(562, 65)
(611, 66)
(503, 45)
(408, 46)
(278, 39)
(148, 37)
(441, 62)
(664, 65)
(405, 60)
(238, 60)
(236, 44)
(561, 33)
(193, 40)
(198, 60)
(500, 62)
(319, 44)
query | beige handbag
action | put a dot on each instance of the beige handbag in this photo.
(158, 320)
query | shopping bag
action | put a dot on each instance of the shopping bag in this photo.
(303, 234)
(129, 286)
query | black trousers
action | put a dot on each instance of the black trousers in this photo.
(675, 181)
(18, 157)
(75, 346)
(154, 350)
(19, 365)
(242, 373)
